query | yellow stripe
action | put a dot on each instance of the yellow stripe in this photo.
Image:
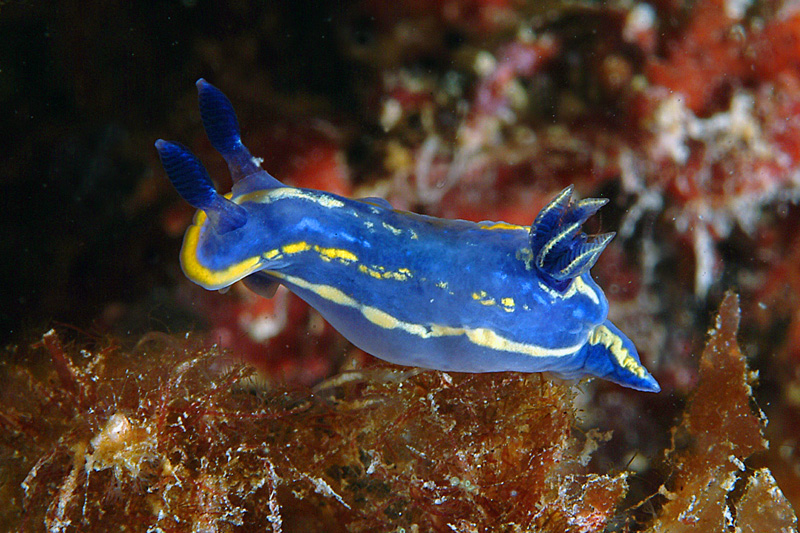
(295, 248)
(501, 225)
(484, 299)
(341, 254)
(337, 253)
(211, 279)
(483, 337)
(402, 274)
(613, 343)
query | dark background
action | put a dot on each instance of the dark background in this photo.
(84, 92)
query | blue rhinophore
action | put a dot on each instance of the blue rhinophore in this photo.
(411, 289)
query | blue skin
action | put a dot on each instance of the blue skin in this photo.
(413, 290)
(469, 258)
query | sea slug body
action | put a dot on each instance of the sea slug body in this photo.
(410, 289)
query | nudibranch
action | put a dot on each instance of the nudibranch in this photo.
(411, 289)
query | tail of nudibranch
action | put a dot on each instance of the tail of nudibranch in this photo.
(561, 251)
(191, 179)
(611, 355)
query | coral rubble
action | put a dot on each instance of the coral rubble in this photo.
(164, 437)
(161, 438)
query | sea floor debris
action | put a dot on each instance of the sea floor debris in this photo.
(162, 437)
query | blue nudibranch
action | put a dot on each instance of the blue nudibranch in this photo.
(411, 289)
